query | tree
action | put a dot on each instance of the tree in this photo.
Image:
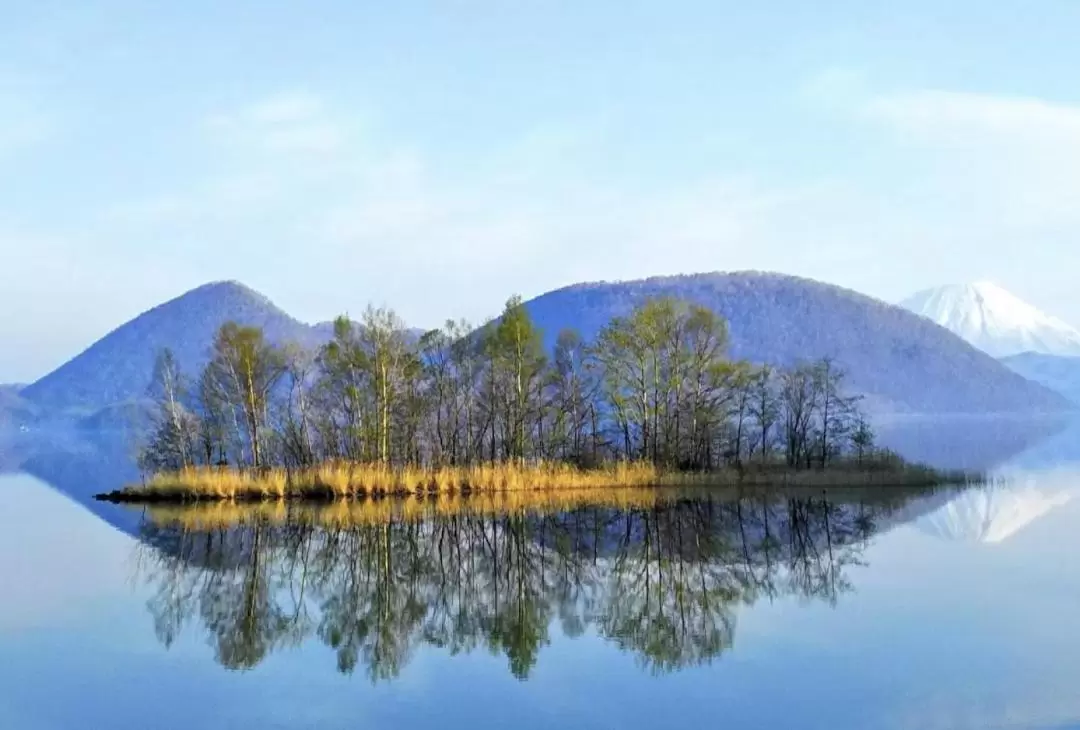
(862, 437)
(342, 390)
(172, 445)
(800, 396)
(243, 370)
(655, 385)
(623, 363)
(700, 368)
(666, 379)
(211, 412)
(571, 388)
(518, 360)
(836, 409)
(387, 356)
(765, 406)
(743, 381)
(297, 421)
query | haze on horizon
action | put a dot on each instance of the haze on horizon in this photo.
(438, 157)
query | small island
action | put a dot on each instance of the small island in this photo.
(380, 410)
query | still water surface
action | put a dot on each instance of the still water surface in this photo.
(836, 610)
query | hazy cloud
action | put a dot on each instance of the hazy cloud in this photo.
(289, 122)
(1012, 160)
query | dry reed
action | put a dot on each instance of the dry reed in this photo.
(346, 480)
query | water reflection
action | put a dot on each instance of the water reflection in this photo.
(995, 512)
(663, 578)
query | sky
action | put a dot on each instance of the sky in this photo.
(437, 157)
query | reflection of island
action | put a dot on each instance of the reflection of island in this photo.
(78, 464)
(662, 581)
(981, 443)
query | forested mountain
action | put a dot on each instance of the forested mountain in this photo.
(119, 367)
(899, 360)
(1059, 373)
(902, 362)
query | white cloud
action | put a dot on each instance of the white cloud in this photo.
(1011, 160)
(398, 228)
(291, 122)
(965, 118)
(376, 219)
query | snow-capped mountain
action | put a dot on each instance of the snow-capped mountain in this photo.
(995, 321)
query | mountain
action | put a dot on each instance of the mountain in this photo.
(995, 321)
(902, 362)
(118, 368)
(1058, 373)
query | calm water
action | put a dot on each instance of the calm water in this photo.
(841, 610)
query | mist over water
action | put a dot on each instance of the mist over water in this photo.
(859, 608)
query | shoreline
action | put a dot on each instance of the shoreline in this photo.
(334, 482)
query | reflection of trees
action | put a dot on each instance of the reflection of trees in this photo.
(663, 583)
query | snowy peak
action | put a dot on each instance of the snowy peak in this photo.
(995, 321)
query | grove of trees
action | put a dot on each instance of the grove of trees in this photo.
(655, 386)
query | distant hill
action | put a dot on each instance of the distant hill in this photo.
(324, 331)
(118, 368)
(1058, 373)
(902, 362)
(995, 321)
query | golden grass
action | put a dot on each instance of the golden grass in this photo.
(352, 480)
(346, 480)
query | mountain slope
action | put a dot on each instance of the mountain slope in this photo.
(901, 361)
(119, 367)
(1058, 373)
(995, 321)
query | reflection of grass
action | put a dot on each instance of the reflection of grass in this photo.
(341, 513)
(347, 512)
(342, 480)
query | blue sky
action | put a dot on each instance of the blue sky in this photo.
(438, 156)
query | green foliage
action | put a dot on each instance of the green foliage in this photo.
(655, 386)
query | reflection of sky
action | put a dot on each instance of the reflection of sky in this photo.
(938, 634)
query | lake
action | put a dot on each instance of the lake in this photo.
(852, 609)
